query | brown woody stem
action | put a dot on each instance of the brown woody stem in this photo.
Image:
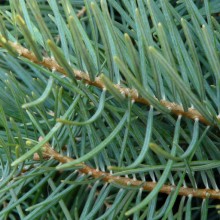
(49, 152)
(81, 12)
(53, 65)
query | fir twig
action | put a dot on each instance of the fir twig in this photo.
(49, 152)
(132, 93)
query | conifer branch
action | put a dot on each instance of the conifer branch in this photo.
(132, 93)
(83, 45)
(49, 152)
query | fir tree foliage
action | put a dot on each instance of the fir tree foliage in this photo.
(109, 109)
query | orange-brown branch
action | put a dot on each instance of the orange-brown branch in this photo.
(53, 65)
(48, 152)
(81, 12)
